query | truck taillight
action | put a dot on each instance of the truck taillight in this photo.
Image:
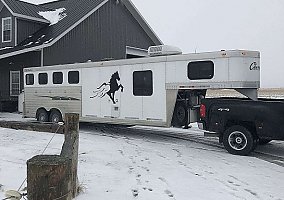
(202, 111)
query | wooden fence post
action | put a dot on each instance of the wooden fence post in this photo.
(52, 177)
(71, 146)
(49, 177)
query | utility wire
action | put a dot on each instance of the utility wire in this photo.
(60, 124)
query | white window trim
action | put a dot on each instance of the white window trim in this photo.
(3, 19)
(11, 82)
(16, 30)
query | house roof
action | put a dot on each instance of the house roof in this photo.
(76, 11)
(25, 10)
(55, 4)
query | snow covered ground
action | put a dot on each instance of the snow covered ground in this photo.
(145, 167)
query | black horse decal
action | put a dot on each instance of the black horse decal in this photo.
(113, 87)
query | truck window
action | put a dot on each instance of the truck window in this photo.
(57, 78)
(200, 70)
(73, 77)
(143, 83)
(30, 79)
(42, 78)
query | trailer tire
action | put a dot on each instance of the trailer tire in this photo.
(55, 116)
(238, 140)
(42, 115)
(264, 141)
(179, 117)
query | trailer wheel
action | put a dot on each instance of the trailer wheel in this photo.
(238, 140)
(42, 115)
(55, 116)
(179, 117)
(263, 141)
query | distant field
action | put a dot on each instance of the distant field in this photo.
(262, 93)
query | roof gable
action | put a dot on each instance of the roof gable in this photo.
(77, 11)
(140, 19)
(25, 10)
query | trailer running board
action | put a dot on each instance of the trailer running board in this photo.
(210, 134)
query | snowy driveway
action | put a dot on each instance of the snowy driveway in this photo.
(146, 167)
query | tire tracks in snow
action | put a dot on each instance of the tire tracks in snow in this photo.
(193, 135)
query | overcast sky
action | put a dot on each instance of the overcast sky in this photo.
(213, 25)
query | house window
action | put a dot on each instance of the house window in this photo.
(57, 77)
(200, 70)
(73, 77)
(42, 78)
(14, 83)
(7, 29)
(143, 83)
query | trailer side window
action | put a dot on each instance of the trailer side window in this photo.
(200, 70)
(30, 79)
(143, 83)
(73, 77)
(42, 78)
(57, 78)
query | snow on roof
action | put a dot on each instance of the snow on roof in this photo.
(5, 48)
(30, 43)
(48, 41)
(54, 16)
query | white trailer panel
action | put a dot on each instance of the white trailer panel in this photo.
(113, 91)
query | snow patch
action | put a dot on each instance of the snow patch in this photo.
(28, 44)
(5, 48)
(114, 165)
(54, 16)
(128, 166)
(48, 41)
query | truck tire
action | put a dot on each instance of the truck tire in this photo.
(42, 115)
(55, 116)
(238, 140)
(263, 141)
(179, 117)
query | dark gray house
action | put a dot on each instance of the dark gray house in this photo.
(63, 32)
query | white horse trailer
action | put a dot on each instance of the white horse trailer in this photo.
(162, 90)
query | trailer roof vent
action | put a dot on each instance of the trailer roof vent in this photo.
(163, 50)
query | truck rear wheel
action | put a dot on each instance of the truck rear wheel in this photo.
(238, 140)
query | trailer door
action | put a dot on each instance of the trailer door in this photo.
(154, 100)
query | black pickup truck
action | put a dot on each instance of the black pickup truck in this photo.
(242, 124)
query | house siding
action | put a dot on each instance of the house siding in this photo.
(15, 63)
(104, 34)
(3, 14)
(26, 28)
